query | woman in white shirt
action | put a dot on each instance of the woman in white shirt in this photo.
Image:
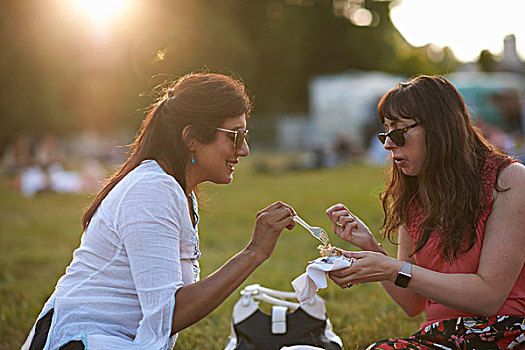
(134, 281)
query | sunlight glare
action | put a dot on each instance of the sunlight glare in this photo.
(466, 26)
(101, 10)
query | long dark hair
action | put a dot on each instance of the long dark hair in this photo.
(203, 101)
(449, 185)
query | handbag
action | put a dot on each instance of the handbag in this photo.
(289, 324)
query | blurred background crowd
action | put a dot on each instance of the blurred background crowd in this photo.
(78, 75)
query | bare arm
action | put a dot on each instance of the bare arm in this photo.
(501, 257)
(194, 301)
(500, 263)
(357, 233)
(410, 301)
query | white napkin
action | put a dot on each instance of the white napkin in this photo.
(307, 284)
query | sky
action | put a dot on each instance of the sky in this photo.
(466, 26)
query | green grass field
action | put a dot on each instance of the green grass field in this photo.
(38, 236)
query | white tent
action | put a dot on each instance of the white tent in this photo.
(344, 102)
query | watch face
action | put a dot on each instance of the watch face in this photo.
(404, 275)
(402, 280)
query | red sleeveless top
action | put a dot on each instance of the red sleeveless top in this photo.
(467, 262)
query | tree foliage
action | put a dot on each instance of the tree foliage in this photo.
(61, 72)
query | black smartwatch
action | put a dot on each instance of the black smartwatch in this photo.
(404, 275)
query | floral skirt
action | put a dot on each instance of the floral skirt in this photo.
(498, 332)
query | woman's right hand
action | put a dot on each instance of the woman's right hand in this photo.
(269, 224)
(350, 228)
(196, 300)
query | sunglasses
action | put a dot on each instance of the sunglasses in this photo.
(240, 136)
(396, 135)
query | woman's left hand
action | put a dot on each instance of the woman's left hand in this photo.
(350, 228)
(368, 267)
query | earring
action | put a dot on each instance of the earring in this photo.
(192, 159)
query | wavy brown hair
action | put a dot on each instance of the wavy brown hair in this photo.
(449, 184)
(203, 101)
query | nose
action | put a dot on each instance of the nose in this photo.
(244, 151)
(389, 144)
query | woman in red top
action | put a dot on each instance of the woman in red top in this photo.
(458, 208)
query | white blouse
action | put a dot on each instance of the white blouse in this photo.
(138, 250)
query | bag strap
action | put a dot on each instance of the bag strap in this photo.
(270, 296)
(279, 319)
(276, 301)
(315, 307)
(278, 293)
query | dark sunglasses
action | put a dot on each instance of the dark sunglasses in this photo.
(396, 135)
(240, 136)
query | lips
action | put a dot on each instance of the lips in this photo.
(231, 164)
(398, 160)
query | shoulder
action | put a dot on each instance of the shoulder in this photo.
(151, 183)
(512, 176)
(511, 181)
(150, 172)
(507, 217)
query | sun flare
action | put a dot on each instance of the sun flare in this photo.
(102, 9)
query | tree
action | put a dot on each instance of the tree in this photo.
(486, 61)
(61, 73)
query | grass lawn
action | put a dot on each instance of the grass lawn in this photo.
(38, 236)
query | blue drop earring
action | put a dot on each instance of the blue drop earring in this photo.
(192, 159)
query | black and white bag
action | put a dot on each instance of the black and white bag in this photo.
(289, 325)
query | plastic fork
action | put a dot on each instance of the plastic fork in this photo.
(317, 232)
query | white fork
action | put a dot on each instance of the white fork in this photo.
(317, 232)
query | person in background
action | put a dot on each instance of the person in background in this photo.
(457, 206)
(134, 281)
